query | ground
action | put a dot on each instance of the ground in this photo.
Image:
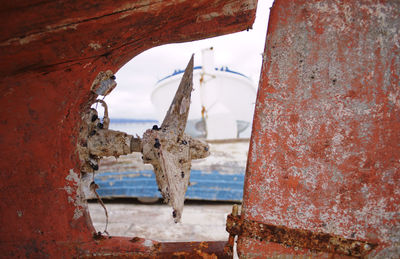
(201, 221)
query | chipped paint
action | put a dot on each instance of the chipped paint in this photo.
(74, 196)
(37, 36)
(95, 45)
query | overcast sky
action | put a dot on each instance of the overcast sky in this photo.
(241, 52)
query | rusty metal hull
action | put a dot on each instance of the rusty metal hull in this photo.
(51, 52)
(324, 154)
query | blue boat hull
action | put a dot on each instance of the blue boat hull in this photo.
(213, 186)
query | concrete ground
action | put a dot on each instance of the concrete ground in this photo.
(201, 221)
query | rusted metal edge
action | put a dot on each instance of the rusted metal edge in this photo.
(231, 240)
(122, 247)
(300, 238)
(210, 249)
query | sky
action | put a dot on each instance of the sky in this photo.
(241, 52)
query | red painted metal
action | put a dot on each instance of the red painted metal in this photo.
(50, 52)
(325, 153)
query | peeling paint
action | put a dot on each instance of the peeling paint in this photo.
(95, 45)
(73, 191)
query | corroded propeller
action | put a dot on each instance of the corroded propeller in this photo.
(170, 150)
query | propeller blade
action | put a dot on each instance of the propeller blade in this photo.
(178, 112)
(170, 151)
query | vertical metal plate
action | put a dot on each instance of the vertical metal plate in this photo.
(325, 154)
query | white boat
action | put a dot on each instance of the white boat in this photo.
(222, 102)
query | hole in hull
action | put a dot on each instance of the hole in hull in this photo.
(127, 181)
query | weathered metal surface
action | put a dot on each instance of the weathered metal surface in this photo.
(194, 250)
(92, 34)
(297, 238)
(325, 154)
(231, 228)
(143, 248)
(105, 142)
(96, 140)
(170, 151)
(104, 83)
(51, 52)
